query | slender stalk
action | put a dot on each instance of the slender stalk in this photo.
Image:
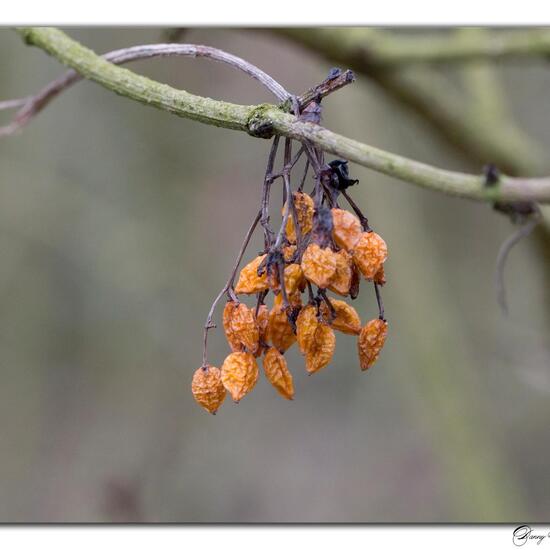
(379, 302)
(208, 324)
(503, 252)
(268, 180)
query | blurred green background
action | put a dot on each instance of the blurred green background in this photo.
(118, 226)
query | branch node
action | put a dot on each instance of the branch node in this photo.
(259, 124)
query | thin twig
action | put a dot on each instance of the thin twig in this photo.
(208, 324)
(268, 180)
(303, 181)
(362, 218)
(14, 103)
(34, 104)
(379, 302)
(325, 88)
(503, 253)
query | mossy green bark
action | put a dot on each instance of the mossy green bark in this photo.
(266, 120)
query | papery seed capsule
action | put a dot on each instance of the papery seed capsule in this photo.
(294, 299)
(341, 281)
(370, 342)
(289, 252)
(306, 325)
(380, 277)
(245, 328)
(322, 349)
(346, 319)
(279, 331)
(346, 229)
(319, 265)
(207, 388)
(249, 281)
(234, 343)
(369, 254)
(277, 373)
(262, 318)
(239, 374)
(304, 206)
(294, 278)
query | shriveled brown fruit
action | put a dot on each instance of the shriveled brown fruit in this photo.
(304, 206)
(294, 278)
(234, 343)
(279, 331)
(276, 371)
(322, 349)
(262, 318)
(249, 281)
(346, 229)
(319, 265)
(244, 327)
(341, 281)
(369, 254)
(207, 388)
(346, 320)
(306, 325)
(288, 252)
(294, 299)
(380, 277)
(370, 342)
(239, 374)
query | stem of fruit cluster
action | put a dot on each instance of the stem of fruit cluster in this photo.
(505, 249)
(362, 218)
(379, 301)
(228, 286)
(268, 180)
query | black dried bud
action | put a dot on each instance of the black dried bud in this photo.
(340, 171)
(491, 174)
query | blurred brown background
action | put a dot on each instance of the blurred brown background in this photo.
(118, 226)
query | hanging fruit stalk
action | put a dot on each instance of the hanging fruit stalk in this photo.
(319, 248)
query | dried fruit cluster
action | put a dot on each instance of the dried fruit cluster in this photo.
(319, 248)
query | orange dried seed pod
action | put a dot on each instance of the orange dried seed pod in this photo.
(288, 252)
(304, 206)
(208, 389)
(234, 343)
(341, 281)
(239, 374)
(294, 299)
(279, 331)
(346, 228)
(276, 371)
(262, 318)
(244, 327)
(369, 254)
(322, 349)
(294, 278)
(319, 265)
(346, 320)
(249, 281)
(371, 341)
(306, 325)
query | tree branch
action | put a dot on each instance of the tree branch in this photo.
(386, 49)
(268, 120)
(428, 94)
